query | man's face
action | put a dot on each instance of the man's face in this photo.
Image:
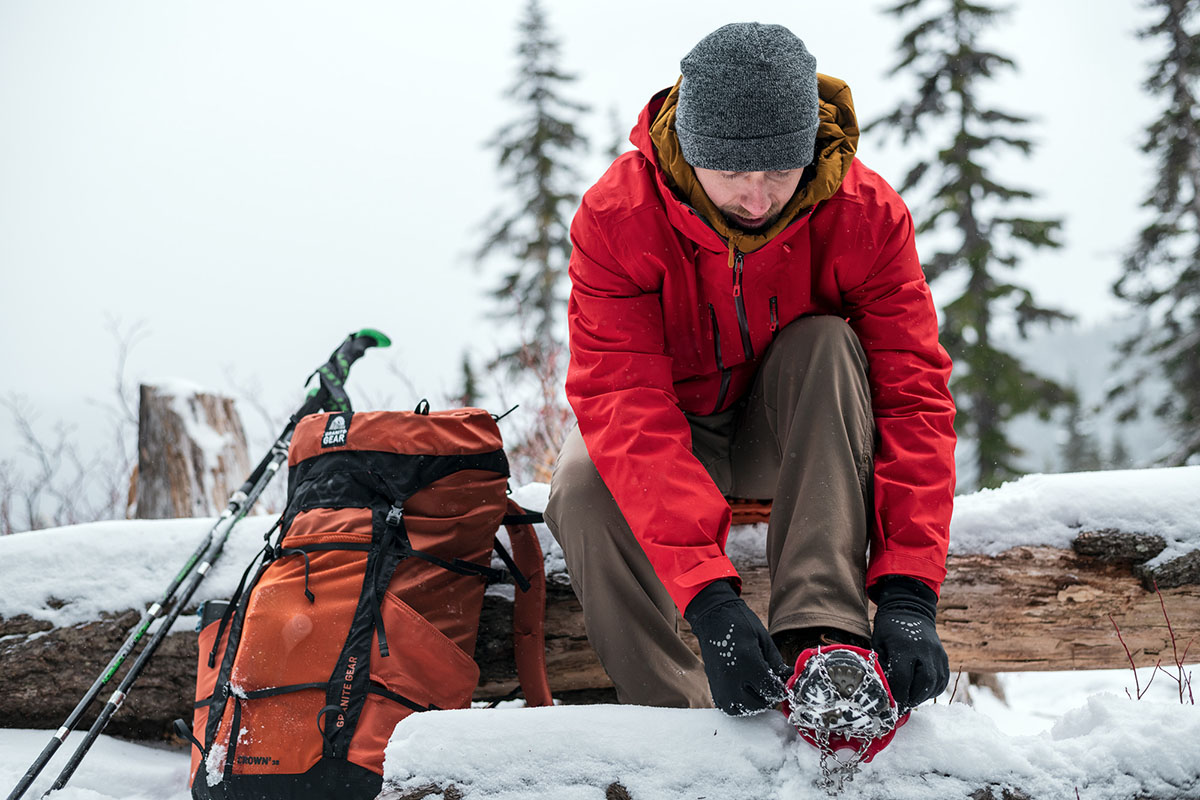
(750, 201)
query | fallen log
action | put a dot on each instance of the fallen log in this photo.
(1027, 609)
(45, 671)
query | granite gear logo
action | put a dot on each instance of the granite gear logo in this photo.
(336, 429)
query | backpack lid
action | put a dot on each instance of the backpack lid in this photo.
(459, 431)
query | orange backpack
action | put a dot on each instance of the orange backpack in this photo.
(365, 609)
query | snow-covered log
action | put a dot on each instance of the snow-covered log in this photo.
(191, 451)
(1030, 608)
(70, 596)
(1026, 609)
(1018, 597)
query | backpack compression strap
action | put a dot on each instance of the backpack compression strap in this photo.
(529, 610)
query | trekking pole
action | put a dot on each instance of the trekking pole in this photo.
(329, 394)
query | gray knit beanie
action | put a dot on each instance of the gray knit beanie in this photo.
(748, 100)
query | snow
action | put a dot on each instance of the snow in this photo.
(1057, 732)
(52, 574)
(1048, 510)
(66, 576)
(534, 497)
(178, 387)
(112, 769)
(1111, 747)
(211, 443)
(1060, 731)
(1054, 509)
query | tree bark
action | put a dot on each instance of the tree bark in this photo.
(191, 453)
(45, 672)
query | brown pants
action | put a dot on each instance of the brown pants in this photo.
(803, 436)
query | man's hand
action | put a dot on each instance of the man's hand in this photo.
(905, 637)
(745, 671)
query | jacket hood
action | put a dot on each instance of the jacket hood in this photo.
(837, 140)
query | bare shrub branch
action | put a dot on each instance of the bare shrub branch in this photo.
(55, 483)
(1181, 677)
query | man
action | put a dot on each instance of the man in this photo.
(748, 318)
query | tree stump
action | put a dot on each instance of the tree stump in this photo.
(191, 452)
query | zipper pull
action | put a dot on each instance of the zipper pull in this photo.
(774, 313)
(737, 275)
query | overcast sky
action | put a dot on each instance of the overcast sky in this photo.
(250, 181)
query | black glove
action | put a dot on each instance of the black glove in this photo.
(905, 637)
(745, 671)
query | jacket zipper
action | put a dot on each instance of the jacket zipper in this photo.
(740, 302)
(774, 313)
(726, 374)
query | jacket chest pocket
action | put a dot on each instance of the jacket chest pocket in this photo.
(786, 294)
(728, 300)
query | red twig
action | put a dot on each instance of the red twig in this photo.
(1136, 684)
(1163, 604)
(1181, 678)
(954, 691)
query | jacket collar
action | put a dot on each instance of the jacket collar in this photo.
(837, 139)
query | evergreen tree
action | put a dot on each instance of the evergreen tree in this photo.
(469, 396)
(969, 220)
(1118, 454)
(535, 151)
(1080, 450)
(620, 135)
(1161, 275)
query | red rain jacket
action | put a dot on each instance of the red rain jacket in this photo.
(655, 330)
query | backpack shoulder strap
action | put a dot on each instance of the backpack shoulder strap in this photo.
(529, 609)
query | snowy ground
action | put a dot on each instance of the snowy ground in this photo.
(113, 770)
(1110, 748)
(1057, 731)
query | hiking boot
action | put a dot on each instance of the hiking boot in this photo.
(794, 641)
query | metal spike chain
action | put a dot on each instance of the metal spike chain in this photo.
(836, 771)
